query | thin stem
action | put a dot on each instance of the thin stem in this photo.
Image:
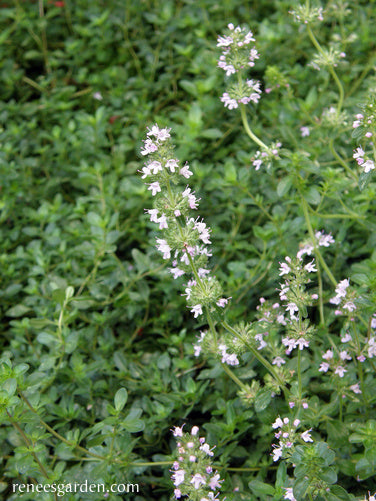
(29, 445)
(331, 69)
(44, 37)
(248, 129)
(258, 355)
(241, 385)
(321, 300)
(300, 375)
(341, 161)
(86, 451)
(312, 235)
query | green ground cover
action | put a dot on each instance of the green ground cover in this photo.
(97, 345)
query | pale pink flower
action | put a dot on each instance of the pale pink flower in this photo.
(304, 131)
(197, 310)
(306, 436)
(178, 477)
(155, 188)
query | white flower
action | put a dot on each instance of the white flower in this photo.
(176, 272)
(206, 448)
(155, 188)
(368, 165)
(149, 147)
(278, 423)
(302, 343)
(196, 310)
(355, 388)
(164, 248)
(277, 453)
(228, 101)
(215, 482)
(223, 301)
(162, 222)
(343, 355)
(198, 480)
(177, 431)
(328, 355)
(310, 267)
(291, 308)
(172, 164)
(278, 361)
(155, 166)
(346, 338)
(340, 371)
(324, 367)
(194, 430)
(230, 359)
(146, 171)
(153, 215)
(185, 171)
(284, 269)
(304, 131)
(289, 494)
(306, 436)
(178, 477)
(224, 41)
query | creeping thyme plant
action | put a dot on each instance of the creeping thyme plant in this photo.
(315, 372)
(188, 264)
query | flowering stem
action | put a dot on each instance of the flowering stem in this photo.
(341, 161)
(331, 69)
(258, 355)
(360, 368)
(300, 374)
(248, 130)
(321, 301)
(28, 444)
(227, 369)
(212, 327)
(312, 235)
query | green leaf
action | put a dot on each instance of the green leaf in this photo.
(284, 186)
(300, 487)
(262, 400)
(132, 423)
(18, 311)
(313, 196)
(260, 488)
(189, 86)
(120, 399)
(311, 98)
(364, 179)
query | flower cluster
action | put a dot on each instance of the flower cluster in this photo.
(363, 160)
(237, 55)
(293, 292)
(365, 130)
(337, 363)
(344, 297)
(185, 238)
(307, 14)
(192, 471)
(224, 348)
(275, 79)
(332, 119)
(265, 157)
(287, 436)
(321, 240)
(327, 58)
